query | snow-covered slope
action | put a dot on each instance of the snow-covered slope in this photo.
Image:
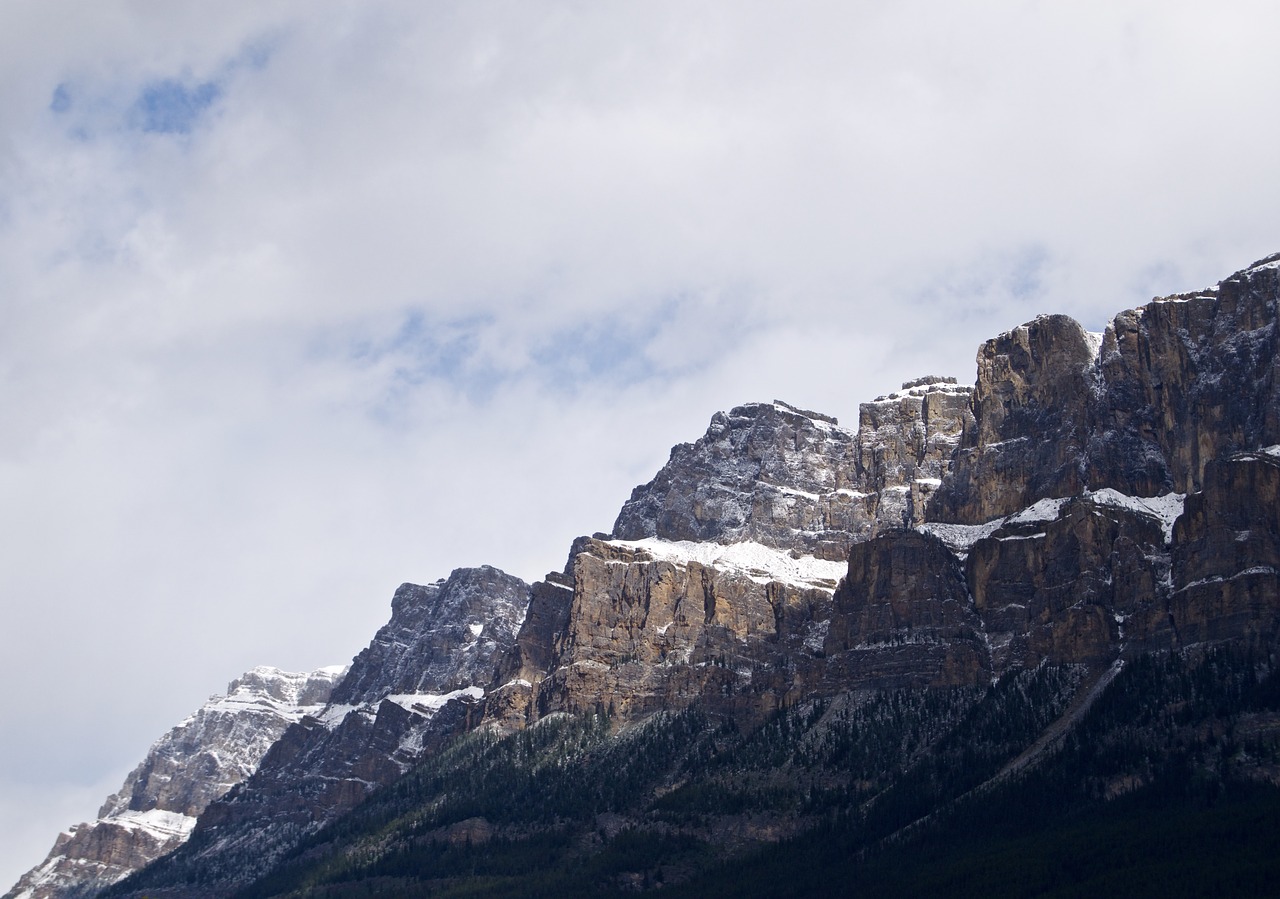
(202, 758)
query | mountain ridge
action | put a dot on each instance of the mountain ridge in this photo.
(1089, 501)
(197, 761)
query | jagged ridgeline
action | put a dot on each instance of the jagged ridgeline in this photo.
(1003, 640)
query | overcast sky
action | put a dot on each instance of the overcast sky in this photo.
(302, 299)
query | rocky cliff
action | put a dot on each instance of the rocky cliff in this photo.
(188, 768)
(984, 531)
(1142, 408)
(421, 680)
(776, 475)
(1092, 500)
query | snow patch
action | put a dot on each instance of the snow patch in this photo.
(430, 703)
(1220, 579)
(817, 636)
(960, 538)
(792, 491)
(334, 714)
(157, 822)
(1094, 340)
(242, 701)
(760, 563)
(1165, 508)
(1044, 510)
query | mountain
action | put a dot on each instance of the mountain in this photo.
(196, 762)
(807, 656)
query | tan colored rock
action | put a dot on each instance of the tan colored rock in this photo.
(645, 634)
(1030, 408)
(905, 444)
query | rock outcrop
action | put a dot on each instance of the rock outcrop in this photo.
(188, 768)
(1141, 409)
(441, 637)
(773, 474)
(765, 472)
(421, 680)
(904, 618)
(1226, 558)
(652, 625)
(905, 444)
(1094, 497)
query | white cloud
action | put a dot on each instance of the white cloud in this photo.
(415, 286)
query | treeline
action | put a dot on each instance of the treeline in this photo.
(862, 782)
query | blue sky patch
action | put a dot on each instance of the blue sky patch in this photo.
(171, 107)
(609, 349)
(61, 101)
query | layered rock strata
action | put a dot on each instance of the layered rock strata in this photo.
(776, 475)
(960, 535)
(905, 444)
(1141, 408)
(1226, 559)
(764, 472)
(650, 625)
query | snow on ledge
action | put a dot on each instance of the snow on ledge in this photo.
(1044, 510)
(161, 824)
(430, 703)
(756, 561)
(1166, 508)
(960, 538)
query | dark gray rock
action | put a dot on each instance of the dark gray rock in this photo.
(766, 472)
(1173, 385)
(420, 681)
(440, 638)
(1226, 557)
(904, 618)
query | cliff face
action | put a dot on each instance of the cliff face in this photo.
(772, 474)
(650, 625)
(1167, 388)
(187, 769)
(765, 472)
(905, 444)
(421, 680)
(441, 637)
(1226, 559)
(1092, 499)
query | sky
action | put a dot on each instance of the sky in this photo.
(302, 299)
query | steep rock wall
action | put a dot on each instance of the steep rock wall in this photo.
(1172, 385)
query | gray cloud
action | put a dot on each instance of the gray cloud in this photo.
(302, 300)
